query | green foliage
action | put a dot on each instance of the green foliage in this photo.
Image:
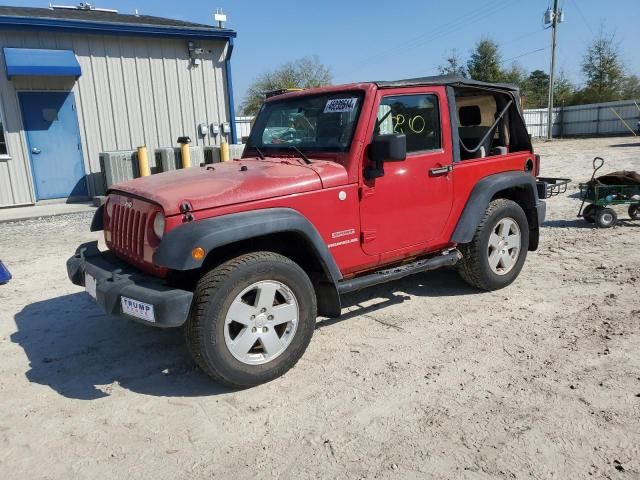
(453, 66)
(631, 87)
(484, 63)
(602, 66)
(306, 72)
(603, 70)
(536, 89)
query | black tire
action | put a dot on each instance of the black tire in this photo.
(589, 213)
(606, 218)
(474, 267)
(214, 294)
(634, 212)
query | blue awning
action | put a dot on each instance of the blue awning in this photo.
(41, 62)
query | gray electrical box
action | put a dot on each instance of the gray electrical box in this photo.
(211, 155)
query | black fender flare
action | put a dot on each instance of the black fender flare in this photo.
(482, 194)
(175, 248)
(97, 222)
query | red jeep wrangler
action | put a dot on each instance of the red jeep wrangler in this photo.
(339, 188)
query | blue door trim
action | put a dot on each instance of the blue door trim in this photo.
(22, 94)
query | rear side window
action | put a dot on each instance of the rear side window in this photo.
(417, 116)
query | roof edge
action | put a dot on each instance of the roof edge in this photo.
(455, 81)
(111, 28)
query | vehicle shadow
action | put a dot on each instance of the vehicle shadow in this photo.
(81, 353)
(624, 145)
(573, 223)
(438, 283)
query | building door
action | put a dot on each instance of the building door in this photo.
(53, 140)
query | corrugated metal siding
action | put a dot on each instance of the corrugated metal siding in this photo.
(585, 120)
(243, 127)
(133, 91)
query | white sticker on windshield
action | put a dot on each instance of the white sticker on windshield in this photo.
(339, 105)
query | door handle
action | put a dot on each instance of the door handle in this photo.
(435, 172)
(35, 150)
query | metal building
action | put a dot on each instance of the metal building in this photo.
(77, 81)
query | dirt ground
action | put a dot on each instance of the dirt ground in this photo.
(421, 378)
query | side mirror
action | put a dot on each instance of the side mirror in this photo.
(385, 148)
(388, 148)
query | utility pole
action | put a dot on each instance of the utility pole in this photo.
(553, 18)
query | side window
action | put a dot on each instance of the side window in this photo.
(417, 116)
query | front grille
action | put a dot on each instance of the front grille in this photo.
(128, 231)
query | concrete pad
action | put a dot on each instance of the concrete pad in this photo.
(47, 210)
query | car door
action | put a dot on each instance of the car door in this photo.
(406, 209)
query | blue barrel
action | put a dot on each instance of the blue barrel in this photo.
(5, 276)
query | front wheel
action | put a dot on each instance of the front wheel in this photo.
(252, 318)
(495, 256)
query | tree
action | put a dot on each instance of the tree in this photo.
(306, 72)
(453, 66)
(563, 91)
(603, 69)
(536, 89)
(630, 87)
(484, 63)
(515, 75)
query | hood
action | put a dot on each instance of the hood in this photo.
(233, 182)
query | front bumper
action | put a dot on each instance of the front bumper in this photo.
(116, 279)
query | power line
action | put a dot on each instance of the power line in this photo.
(474, 15)
(440, 28)
(525, 54)
(584, 18)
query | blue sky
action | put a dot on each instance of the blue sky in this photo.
(376, 40)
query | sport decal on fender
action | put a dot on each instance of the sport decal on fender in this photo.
(343, 233)
(339, 105)
(344, 242)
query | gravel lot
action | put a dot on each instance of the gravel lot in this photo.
(422, 378)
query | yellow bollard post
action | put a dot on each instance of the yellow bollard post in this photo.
(143, 161)
(185, 151)
(224, 151)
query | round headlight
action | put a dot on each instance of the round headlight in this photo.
(109, 207)
(158, 225)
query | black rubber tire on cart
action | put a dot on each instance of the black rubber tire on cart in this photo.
(606, 218)
(589, 213)
(634, 212)
(478, 267)
(227, 310)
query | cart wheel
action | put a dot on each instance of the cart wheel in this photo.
(589, 213)
(634, 212)
(606, 218)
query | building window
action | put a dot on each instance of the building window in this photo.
(3, 139)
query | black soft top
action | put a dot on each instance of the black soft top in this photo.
(454, 81)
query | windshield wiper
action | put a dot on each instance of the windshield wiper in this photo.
(299, 152)
(260, 154)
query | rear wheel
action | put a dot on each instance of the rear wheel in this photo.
(606, 218)
(634, 212)
(495, 256)
(252, 319)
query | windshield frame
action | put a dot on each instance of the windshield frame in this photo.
(263, 116)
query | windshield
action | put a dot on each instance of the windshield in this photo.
(315, 122)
